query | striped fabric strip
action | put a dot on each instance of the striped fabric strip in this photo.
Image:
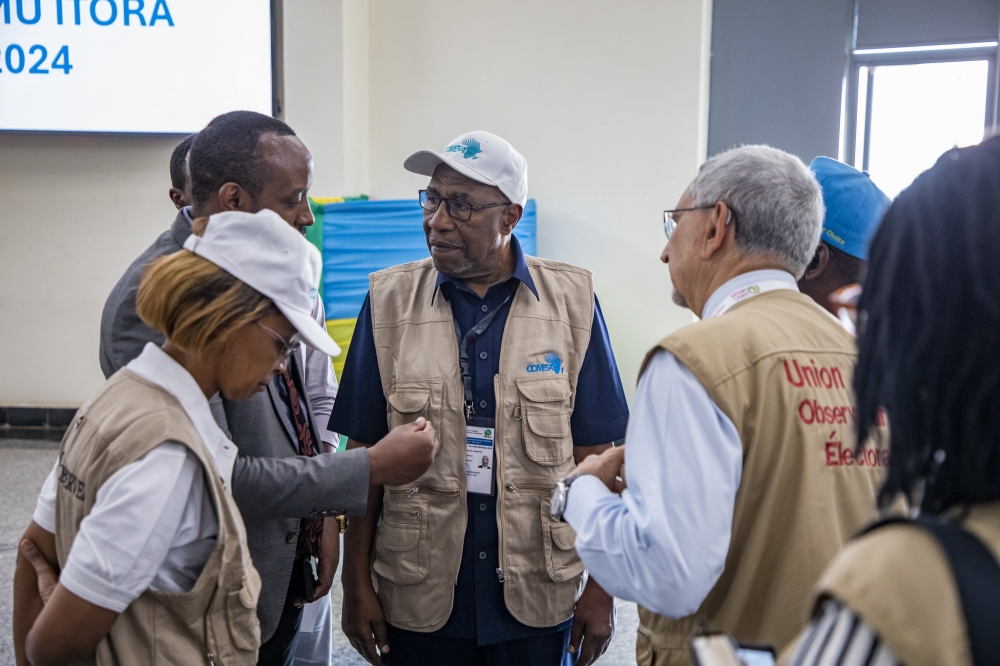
(838, 637)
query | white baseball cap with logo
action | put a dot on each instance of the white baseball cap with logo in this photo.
(268, 255)
(481, 156)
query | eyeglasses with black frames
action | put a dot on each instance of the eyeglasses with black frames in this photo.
(670, 218)
(285, 347)
(457, 209)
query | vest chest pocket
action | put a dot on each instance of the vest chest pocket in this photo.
(401, 544)
(561, 559)
(544, 411)
(241, 610)
(407, 404)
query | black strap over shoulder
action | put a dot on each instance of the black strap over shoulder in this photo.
(977, 576)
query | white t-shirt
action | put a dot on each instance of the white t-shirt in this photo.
(153, 524)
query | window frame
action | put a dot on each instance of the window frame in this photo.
(874, 58)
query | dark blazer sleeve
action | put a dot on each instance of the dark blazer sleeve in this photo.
(297, 486)
(125, 336)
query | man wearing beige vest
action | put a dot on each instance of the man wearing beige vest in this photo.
(742, 480)
(510, 355)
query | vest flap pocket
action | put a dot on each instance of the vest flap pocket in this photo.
(400, 538)
(409, 401)
(561, 560)
(544, 413)
(241, 609)
(407, 404)
(563, 536)
(401, 551)
(547, 422)
(544, 390)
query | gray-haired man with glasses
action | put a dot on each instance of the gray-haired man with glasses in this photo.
(511, 356)
(737, 491)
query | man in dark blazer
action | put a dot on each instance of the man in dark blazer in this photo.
(248, 161)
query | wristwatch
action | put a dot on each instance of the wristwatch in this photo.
(559, 495)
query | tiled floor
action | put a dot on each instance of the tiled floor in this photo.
(22, 471)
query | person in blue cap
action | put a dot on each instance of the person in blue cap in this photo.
(854, 208)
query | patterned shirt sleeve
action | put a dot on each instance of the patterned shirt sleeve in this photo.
(839, 637)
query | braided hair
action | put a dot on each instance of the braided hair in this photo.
(929, 340)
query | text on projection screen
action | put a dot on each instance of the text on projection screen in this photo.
(131, 65)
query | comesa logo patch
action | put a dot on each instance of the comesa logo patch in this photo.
(470, 149)
(552, 364)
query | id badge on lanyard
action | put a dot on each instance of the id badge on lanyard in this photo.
(480, 436)
(479, 432)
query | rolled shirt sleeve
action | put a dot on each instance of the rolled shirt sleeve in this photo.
(664, 542)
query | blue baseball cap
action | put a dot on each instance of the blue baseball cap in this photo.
(854, 206)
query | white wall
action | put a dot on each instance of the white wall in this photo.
(607, 102)
(74, 213)
(314, 87)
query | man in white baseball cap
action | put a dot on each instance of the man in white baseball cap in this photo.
(510, 358)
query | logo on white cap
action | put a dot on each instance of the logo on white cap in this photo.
(481, 156)
(470, 148)
(266, 253)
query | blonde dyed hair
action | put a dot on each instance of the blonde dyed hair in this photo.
(194, 303)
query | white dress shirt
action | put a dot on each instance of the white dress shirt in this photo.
(321, 382)
(664, 542)
(153, 524)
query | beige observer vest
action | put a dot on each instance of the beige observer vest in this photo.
(216, 621)
(418, 545)
(781, 369)
(899, 581)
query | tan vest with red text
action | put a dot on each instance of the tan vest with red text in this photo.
(216, 621)
(899, 581)
(780, 368)
(418, 545)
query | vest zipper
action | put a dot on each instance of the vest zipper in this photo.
(499, 449)
(519, 489)
(413, 490)
(410, 492)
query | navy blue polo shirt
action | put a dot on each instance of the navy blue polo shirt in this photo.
(600, 415)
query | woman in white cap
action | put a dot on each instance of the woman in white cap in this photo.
(137, 513)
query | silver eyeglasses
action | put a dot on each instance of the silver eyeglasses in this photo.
(670, 219)
(285, 347)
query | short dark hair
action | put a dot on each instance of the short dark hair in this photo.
(929, 335)
(178, 163)
(226, 151)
